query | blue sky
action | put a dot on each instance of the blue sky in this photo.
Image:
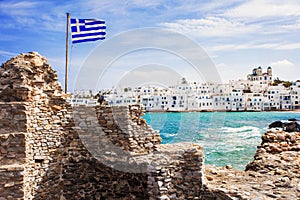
(238, 35)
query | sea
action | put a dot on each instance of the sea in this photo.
(228, 138)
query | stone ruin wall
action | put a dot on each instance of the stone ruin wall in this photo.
(49, 150)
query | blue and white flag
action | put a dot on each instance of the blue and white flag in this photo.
(85, 30)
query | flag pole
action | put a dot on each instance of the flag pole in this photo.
(67, 49)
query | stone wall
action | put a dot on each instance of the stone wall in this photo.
(136, 135)
(12, 157)
(30, 99)
(157, 171)
(46, 146)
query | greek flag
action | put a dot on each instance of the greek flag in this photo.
(85, 30)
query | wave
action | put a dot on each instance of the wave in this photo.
(242, 129)
(168, 135)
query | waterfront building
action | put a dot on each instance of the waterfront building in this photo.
(254, 101)
(295, 95)
(285, 100)
(237, 100)
(272, 98)
(205, 102)
(256, 93)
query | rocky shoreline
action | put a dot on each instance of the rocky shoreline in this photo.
(273, 174)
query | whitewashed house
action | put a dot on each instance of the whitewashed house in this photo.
(272, 98)
(285, 100)
(254, 101)
(295, 95)
(237, 100)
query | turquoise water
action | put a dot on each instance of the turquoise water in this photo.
(229, 138)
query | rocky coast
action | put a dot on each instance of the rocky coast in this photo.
(273, 174)
(49, 150)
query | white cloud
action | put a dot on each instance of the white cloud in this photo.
(285, 69)
(146, 3)
(7, 54)
(264, 8)
(210, 26)
(282, 63)
(293, 26)
(22, 8)
(290, 46)
(272, 46)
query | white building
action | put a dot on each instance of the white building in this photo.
(260, 77)
(254, 101)
(254, 94)
(295, 95)
(237, 100)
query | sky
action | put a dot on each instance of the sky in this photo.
(236, 35)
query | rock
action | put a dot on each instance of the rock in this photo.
(209, 178)
(276, 124)
(291, 127)
(293, 119)
(160, 183)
